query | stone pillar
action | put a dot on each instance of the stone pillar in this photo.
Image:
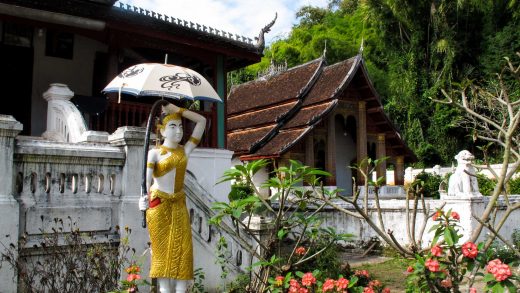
(9, 207)
(309, 150)
(330, 160)
(131, 140)
(399, 170)
(56, 92)
(361, 138)
(381, 153)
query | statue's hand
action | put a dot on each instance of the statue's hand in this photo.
(143, 203)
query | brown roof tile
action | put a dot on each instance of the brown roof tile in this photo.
(329, 81)
(259, 117)
(241, 141)
(281, 142)
(310, 114)
(277, 89)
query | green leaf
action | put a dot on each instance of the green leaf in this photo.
(353, 281)
(448, 237)
(281, 233)
(299, 274)
(489, 278)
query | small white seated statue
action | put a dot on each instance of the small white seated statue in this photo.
(463, 181)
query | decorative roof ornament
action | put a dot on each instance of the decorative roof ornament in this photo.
(325, 50)
(361, 47)
(260, 44)
(272, 70)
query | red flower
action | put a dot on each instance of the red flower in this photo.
(294, 283)
(374, 284)
(432, 265)
(132, 277)
(409, 269)
(362, 273)
(472, 290)
(469, 250)
(368, 290)
(437, 215)
(436, 250)
(446, 283)
(342, 283)
(328, 285)
(386, 290)
(455, 216)
(279, 280)
(500, 271)
(300, 250)
(303, 290)
(308, 279)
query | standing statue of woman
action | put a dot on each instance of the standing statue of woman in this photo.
(166, 213)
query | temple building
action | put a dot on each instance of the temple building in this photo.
(84, 44)
(327, 116)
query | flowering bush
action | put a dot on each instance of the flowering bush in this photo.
(314, 282)
(443, 267)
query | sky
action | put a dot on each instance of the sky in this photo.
(243, 17)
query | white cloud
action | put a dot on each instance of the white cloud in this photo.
(243, 17)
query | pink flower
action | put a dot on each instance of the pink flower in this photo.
(308, 279)
(500, 271)
(294, 283)
(455, 216)
(303, 290)
(375, 284)
(368, 290)
(293, 289)
(432, 265)
(328, 285)
(362, 273)
(410, 269)
(300, 250)
(342, 283)
(437, 215)
(446, 283)
(132, 277)
(279, 280)
(436, 250)
(469, 250)
(472, 290)
(386, 290)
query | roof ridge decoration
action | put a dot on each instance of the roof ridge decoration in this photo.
(199, 27)
(287, 117)
(260, 44)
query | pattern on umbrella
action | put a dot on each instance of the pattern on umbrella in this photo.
(131, 72)
(170, 81)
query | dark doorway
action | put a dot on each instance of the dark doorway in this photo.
(16, 83)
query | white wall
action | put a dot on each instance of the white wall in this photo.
(76, 73)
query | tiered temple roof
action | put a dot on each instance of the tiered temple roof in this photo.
(267, 116)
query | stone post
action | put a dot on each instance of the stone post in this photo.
(399, 170)
(56, 92)
(331, 150)
(381, 153)
(9, 207)
(361, 138)
(131, 140)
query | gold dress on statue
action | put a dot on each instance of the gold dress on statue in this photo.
(169, 223)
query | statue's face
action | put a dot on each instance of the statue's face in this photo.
(173, 131)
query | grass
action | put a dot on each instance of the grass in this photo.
(392, 273)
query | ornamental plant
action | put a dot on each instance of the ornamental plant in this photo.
(292, 236)
(443, 266)
(317, 282)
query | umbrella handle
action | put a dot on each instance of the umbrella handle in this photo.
(156, 105)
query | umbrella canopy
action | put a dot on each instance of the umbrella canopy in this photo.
(163, 80)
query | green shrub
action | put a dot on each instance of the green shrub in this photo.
(431, 183)
(514, 185)
(485, 185)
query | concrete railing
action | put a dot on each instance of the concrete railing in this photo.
(97, 186)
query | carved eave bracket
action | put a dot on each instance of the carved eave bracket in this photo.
(260, 44)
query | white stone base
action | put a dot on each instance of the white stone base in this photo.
(9, 209)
